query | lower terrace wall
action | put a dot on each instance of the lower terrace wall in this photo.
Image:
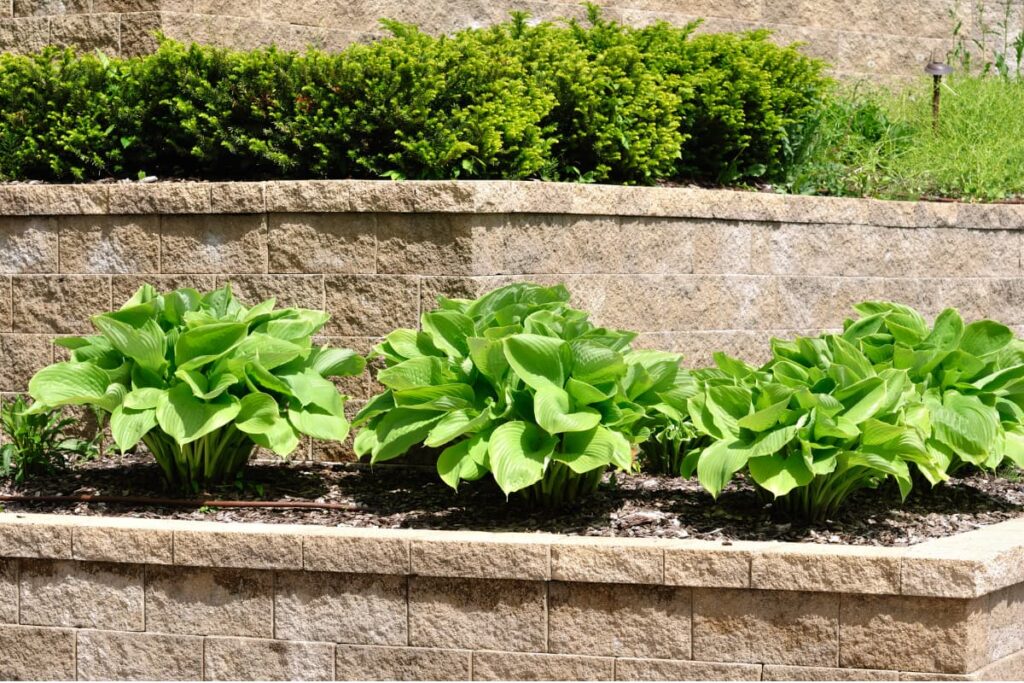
(870, 39)
(694, 271)
(96, 598)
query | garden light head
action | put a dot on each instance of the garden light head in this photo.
(937, 70)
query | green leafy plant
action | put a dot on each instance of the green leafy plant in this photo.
(202, 380)
(520, 385)
(39, 443)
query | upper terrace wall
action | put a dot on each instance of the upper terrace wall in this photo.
(865, 38)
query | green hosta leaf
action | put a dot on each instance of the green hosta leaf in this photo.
(129, 426)
(364, 442)
(456, 424)
(401, 429)
(310, 389)
(781, 473)
(585, 394)
(764, 419)
(145, 344)
(438, 397)
(595, 449)
(256, 374)
(449, 331)
(205, 344)
(199, 383)
(876, 433)
(519, 453)
(467, 460)
(186, 418)
(884, 465)
(69, 383)
(415, 373)
(403, 344)
(258, 414)
(718, 463)
(488, 356)
(296, 323)
(145, 398)
(318, 423)
(966, 425)
(594, 363)
(268, 351)
(984, 337)
(538, 361)
(330, 362)
(1015, 445)
(553, 412)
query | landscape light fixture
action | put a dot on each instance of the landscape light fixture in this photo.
(937, 70)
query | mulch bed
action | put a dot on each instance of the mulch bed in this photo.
(636, 506)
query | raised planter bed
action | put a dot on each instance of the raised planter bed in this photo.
(118, 598)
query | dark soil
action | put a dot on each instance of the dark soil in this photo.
(634, 506)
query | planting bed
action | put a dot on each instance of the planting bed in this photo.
(392, 496)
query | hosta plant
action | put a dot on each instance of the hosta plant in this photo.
(202, 380)
(815, 424)
(520, 385)
(969, 377)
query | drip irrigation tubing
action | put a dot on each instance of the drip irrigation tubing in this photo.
(180, 502)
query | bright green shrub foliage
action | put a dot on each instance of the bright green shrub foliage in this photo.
(202, 380)
(831, 415)
(520, 385)
(596, 102)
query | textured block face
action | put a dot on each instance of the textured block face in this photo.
(101, 244)
(9, 591)
(28, 245)
(373, 305)
(29, 653)
(341, 608)
(82, 594)
(776, 627)
(21, 356)
(107, 656)
(244, 659)
(619, 620)
(61, 304)
(628, 669)
(476, 614)
(953, 629)
(508, 666)
(209, 601)
(369, 663)
(427, 244)
(213, 244)
(322, 243)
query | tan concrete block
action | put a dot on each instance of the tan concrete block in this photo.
(246, 659)
(44, 8)
(209, 601)
(108, 656)
(1003, 622)
(773, 627)
(213, 244)
(723, 247)
(899, 18)
(989, 216)
(58, 303)
(243, 547)
(356, 551)
(322, 243)
(953, 630)
(829, 569)
(382, 196)
(520, 666)
(371, 305)
(21, 356)
(730, 9)
(375, 663)
(235, 197)
(87, 32)
(82, 594)
(124, 286)
(603, 560)
(138, 36)
(483, 556)
(450, 287)
(708, 564)
(159, 198)
(43, 199)
(301, 291)
(9, 591)
(993, 298)
(235, 8)
(141, 5)
(477, 614)
(28, 245)
(109, 244)
(123, 540)
(427, 244)
(629, 669)
(1009, 668)
(34, 536)
(619, 620)
(824, 302)
(344, 14)
(22, 35)
(308, 196)
(5, 304)
(342, 608)
(36, 654)
(773, 672)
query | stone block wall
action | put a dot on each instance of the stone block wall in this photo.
(693, 271)
(863, 38)
(121, 598)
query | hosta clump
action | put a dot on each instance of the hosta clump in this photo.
(520, 385)
(202, 380)
(815, 424)
(969, 378)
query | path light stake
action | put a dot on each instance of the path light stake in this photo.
(937, 70)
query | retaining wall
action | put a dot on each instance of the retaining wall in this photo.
(864, 38)
(694, 271)
(120, 598)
